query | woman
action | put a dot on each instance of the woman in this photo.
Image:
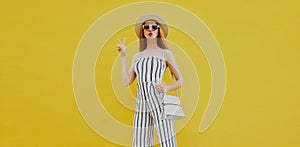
(149, 66)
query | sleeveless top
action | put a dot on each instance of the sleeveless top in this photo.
(150, 68)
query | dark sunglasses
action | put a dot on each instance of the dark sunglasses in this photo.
(153, 27)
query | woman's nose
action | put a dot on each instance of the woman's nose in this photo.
(150, 30)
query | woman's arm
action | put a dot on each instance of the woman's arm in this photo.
(127, 78)
(176, 72)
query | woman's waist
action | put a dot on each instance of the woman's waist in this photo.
(159, 81)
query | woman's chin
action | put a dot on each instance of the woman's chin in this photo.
(151, 37)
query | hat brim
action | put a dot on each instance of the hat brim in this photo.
(162, 23)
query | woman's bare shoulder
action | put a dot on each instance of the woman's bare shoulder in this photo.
(168, 53)
(136, 56)
(167, 50)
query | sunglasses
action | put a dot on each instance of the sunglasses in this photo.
(153, 27)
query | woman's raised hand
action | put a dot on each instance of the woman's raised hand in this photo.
(121, 47)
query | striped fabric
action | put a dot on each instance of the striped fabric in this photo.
(150, 71)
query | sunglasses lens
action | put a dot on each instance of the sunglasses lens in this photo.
(146, 27)
(154, 27)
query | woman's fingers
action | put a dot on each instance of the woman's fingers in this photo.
(121, 45)
(160, 88)
(124, 40)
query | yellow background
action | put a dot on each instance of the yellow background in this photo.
(258, 40)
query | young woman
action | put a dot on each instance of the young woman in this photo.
(149, 66)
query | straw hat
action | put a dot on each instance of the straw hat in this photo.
(162, 23)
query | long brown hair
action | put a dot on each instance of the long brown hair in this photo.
(160, 38)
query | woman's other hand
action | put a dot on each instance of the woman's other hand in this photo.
(161, 88)
(121, 47)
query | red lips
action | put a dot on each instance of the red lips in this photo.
(150, 34)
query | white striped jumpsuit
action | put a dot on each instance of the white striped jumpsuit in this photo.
(149, 71)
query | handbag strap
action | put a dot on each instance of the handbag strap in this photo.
(173, 82)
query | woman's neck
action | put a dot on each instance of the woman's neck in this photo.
(152, 44)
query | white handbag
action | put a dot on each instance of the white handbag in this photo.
(171, 107)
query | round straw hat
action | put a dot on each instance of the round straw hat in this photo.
(162, 23)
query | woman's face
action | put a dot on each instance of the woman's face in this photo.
(150, 29)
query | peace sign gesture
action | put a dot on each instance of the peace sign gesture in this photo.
(121, 47)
